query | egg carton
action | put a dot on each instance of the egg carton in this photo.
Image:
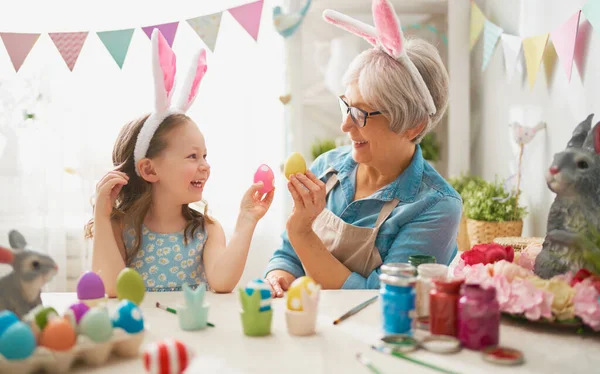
(85, 350)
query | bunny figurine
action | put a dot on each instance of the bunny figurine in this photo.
(575, 178)
(20, 289)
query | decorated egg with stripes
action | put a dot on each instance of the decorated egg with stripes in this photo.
(260, 285)
(168, 356)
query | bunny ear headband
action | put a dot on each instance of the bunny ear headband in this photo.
(387, 35)
(163, 69)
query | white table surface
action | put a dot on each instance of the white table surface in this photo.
(333, 349)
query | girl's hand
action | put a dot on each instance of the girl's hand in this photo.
(254, 204)
(279, 281)
(107, 190)
(308, 193)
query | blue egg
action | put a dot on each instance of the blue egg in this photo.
(17, 342)
(128, 316)
(7, 318)
(261, 286)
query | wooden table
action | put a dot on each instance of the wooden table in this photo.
(333, 349)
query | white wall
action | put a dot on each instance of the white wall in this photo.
(562, 104)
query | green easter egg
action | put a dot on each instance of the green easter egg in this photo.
(130, 286)
(41, 317)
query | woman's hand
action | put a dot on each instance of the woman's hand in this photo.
(279, 281)
(253, 204)
(107, 190)
(308, 193)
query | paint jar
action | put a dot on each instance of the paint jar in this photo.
(399, 269)
(397, 294)
(416, 260)
(443, 306)
(426, 274)
(478, 317)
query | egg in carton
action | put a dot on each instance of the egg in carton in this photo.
(302, 303)
(44, 341)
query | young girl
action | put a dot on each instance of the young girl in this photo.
(141, 215)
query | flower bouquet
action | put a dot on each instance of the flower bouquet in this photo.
(564, 300)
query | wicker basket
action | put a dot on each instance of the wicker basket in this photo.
(463, 236)
(486, 232)
(517, 242)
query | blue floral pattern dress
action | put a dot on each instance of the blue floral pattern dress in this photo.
(164, 261)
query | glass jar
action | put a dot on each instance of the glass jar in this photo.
(397, 294)
(416, 260)
(398, 269)
(426, 274)
(443, 306)
(478, 317)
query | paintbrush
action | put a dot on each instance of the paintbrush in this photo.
(367, 362)
(356, 309)
(171, 310)
(389, 351)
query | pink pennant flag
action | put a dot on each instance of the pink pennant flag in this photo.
(564, 38)
(248, 16)
(18, 46)
(69, 45)
(168, 30)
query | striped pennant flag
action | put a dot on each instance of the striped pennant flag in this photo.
(491, 34)
(69, 45)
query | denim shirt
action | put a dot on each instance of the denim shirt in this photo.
(424, 222)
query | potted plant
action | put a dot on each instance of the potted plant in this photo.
(430, 148)
(321, 146)
(460, 184)
(491, 213)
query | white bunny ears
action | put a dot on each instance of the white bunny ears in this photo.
(164, 69)
(387, 35)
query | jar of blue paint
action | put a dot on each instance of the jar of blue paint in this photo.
(397, 293)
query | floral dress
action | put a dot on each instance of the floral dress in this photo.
(164, 261)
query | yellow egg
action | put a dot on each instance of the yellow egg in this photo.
(294, 295)
(294, 164)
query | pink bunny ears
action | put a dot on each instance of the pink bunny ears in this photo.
(164, 69)
(387, 35)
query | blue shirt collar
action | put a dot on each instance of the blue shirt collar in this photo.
(404, 188)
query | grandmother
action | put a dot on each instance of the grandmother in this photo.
(377, 201)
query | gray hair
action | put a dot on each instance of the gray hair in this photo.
(386, 85)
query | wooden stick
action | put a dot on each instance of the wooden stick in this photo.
(518, 180)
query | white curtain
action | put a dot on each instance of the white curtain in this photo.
(49, 164)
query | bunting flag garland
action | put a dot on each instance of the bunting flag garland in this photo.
(207, 28)
(562, 47)
(18, 46)
(117, 42)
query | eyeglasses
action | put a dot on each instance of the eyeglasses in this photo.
(359, 116)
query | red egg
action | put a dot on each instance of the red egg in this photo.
(168, 356)
(265, 174)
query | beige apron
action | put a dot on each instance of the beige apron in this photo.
(353, 246)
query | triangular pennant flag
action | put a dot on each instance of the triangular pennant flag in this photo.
(248, 16)
(533, 50)
(592, 12)
(168, 30)
(207, 28)
(491, 33)
(477, 21)
(18, 46)
(564, 39)
(512, 50)
(69, 45)
(117, 43)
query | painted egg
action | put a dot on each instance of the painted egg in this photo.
(294, 164)
(265, 174)
(7, 318)
(43, 315)
(260, 285)
(96, 325)
(90, 287)
(17, 342)
(76, 312)
(128, 317)
(58, 335)
(168, 356)
(130, 286)
(294, 295)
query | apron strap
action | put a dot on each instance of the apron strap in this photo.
(385, 212)
(331, 182)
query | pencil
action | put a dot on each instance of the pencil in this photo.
(412, 359)
(171, 310)
(356, 309)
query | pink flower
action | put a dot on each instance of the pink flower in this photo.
(510, 270)
(587, 304)
(473, 257)
(528, 255)
(488, 254)
(475, 274)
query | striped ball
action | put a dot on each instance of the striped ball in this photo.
(260, 285)
(168, 356)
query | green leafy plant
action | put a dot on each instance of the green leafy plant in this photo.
(321, 146)
(430, 147)
(480, 203)
(461, 183)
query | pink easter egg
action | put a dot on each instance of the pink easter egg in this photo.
(169, 356)
(265, 174)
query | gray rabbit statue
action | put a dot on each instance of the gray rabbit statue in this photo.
(20, 289)
(574, 177)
